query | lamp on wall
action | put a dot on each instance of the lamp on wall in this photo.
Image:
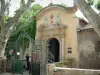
(18, 53)
(69, 49)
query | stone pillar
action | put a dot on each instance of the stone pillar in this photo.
(63, 48)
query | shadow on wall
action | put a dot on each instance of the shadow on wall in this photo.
(91, 61)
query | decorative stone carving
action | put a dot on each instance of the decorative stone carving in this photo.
(51, 17)
(51, 26)
(58, 18)
(46, 20)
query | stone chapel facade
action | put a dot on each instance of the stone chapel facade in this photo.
(62, 37)
(56, 23)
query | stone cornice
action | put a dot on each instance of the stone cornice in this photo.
(44, 27)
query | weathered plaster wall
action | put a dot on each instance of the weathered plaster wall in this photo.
(86, 46)
(70, 32)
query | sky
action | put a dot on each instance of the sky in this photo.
(16, 3)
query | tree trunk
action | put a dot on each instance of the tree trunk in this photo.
(6, 28)
(2, 35)
(89, 13)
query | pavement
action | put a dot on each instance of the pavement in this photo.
(24, 73)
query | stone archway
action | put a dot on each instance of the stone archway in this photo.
(53, 47)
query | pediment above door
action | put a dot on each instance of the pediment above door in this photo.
(51, 26)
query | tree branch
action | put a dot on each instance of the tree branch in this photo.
(2, 7)
(18, 14)
(89, 13)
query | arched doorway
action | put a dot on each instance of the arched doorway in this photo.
(53, 50)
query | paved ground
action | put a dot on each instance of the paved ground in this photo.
(25, 73)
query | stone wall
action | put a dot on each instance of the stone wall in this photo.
(53, 70)
(89, 59)
(75, 71)
(64, 31)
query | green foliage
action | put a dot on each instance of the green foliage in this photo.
(64, 5)
(6, 18)
(90, 2)
(98, 5)
(27, 25)
(36, 8)
(22, 2)
(31, 12)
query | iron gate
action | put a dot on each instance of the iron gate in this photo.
(38, 61)
(38, 66)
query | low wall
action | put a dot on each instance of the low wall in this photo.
(53, 70)
(67, 64)
(75, 71)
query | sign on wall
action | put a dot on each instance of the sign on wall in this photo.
(11, 52)
(38, 45)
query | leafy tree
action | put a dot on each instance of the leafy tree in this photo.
(22, 2)
(93, 2)
(6, 27)
(26, 26)
(89, 13)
